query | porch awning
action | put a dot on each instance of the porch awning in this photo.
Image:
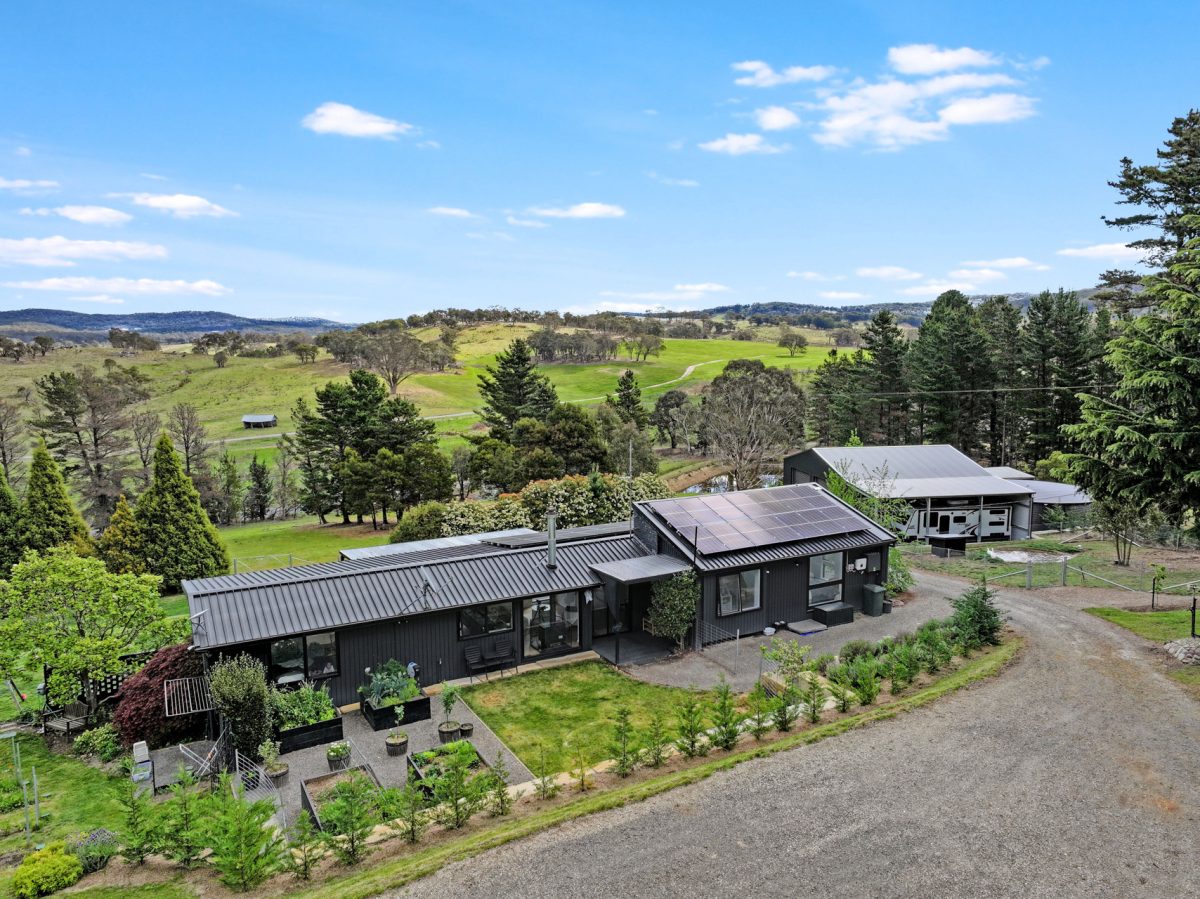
(640, 569)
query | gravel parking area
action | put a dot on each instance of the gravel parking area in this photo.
(1074, 774)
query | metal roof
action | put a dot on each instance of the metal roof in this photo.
(914, 472)
(562, 535)
(258, 418)
(1057, 494)
(412, 546)
(1009, 473)
(321, 597)
(641, 569)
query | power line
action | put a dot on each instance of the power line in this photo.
(920, 393)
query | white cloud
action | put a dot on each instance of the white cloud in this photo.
(1008, 262)
(928, 59)
(154, 177)
(776, 118)
(702, 287)
(525, 223)
(933, 288)
(672, 182)
(98, 298)
(741, 144)
(842, 295)
(25, 184)
(339, 118)
(22, 151)
(429, 145)
(140, 286)
(888, 273)
(815, 276)
(182, 206)
(85, 215)
(1111, 251)
(581, 211)
(986, 110)
(975, 275)
(452, 212)
(491, 235)
(762, 75)
(60, 251)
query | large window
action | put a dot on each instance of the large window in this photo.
(825, 579)
(739, 592)
(551, 624)
(479, 621)
(294, 659)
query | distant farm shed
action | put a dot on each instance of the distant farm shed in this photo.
(259, 421)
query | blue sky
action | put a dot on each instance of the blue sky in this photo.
(366, 160)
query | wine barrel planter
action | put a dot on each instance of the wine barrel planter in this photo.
(311, 734)
(415, 709)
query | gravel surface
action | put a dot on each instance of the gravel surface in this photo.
(1075, 773)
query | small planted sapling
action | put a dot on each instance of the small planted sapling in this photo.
(458, 794)
(864, 675)
(839, 687)
(407, 810)
(689, 728)
(812, 698)
(547, 785)
(783, 710)
(182, 839)
(726, 726)
(349, 816)
(759, 720)
(500, 800)
(579, 768)
(304, 848)
(623, 748)
(141, 833)
(657, 742)
(245, 851)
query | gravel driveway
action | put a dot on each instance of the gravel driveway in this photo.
(1076, 773)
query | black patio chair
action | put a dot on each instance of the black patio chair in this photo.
(503, 655)
(476, 664)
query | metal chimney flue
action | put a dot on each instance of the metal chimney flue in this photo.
(551, 523)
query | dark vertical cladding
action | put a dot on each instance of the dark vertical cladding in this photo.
(786, 589)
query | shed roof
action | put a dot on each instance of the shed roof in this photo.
(412, 546)
(1056, 493)
(641, 569)
(239, 609)
(1009, 473)
(258, 419)
(912, 472)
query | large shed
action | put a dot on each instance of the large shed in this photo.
(259, 421)
(1053, 501)
(950, 494)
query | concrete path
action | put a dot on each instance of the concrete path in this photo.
(1074, 774)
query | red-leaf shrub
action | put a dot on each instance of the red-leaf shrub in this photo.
(139, 713)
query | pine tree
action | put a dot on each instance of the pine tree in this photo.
(120, 546)
(258, 492)
(12, 527)
(513, 389)
(245, 849)
(1001, 323)
(887, 348)
(51, 519)
(628, 401)
(838, 404)
(1056, 355)
(179, 540)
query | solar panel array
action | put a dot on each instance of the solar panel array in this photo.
(734, 521)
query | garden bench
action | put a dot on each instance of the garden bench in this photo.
(67, 720)
(476, 664)
(502, 655)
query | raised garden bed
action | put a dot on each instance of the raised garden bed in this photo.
(313, 789)
(425, 767)
(311, 734)
(415, 709)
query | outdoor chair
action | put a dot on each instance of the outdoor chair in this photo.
(67, 720)
(475, 661)
(502, 655)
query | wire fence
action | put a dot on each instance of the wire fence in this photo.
(262, 563)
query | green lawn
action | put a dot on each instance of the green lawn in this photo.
(1161, 627)
(572, 704)
(304, 539)
(76, 796)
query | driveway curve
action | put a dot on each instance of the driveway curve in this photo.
(1075, 773)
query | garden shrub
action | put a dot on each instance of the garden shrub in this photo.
(784, 711)
(789, 658)
(900, 578)
(976, 620)
(689, 728)
(839, 687)
(423, 521)
(239, 690)
(821, 663)
(245, 851)
(103, 742)
(11, 796)
(306, 704)
(759, 720)
(94, 850)
(139, 713)
(726, 725)
(672, 610)
(812, 698)
(623, 748)
(349, 814)
(853, 649)
(864, 676)
(46, 871)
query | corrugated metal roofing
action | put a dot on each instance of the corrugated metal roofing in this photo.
(1009, 473)
(227, 612)
(1055, 493)
(642, 568)
(984, 485)
(563, 535)
(258, 419)
(412, 546)
(913, 472)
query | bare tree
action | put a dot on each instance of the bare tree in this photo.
(190, 436)
(287, 483)
(14, 441)
(752, 415)
(146, 427)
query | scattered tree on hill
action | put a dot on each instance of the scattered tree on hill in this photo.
(190, 436)
(179, 540)
(229, 491)
(792, 341)
(50, 517)
(305, 352)
(513, 389)
(130, 340)
(73, 617)
(393, 354)
(144, 428)
(643, 345)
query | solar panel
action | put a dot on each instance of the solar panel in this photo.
(727, 522)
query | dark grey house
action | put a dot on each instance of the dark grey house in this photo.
(951, 495)
(784, 554)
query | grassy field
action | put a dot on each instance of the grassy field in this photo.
(1161, 627)
(296, 541)
(1093, 556)
(568, 706)
(249, 385)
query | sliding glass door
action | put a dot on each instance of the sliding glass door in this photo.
(550, 624)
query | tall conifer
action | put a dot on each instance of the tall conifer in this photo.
(50, 517)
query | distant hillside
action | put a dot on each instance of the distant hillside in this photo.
(61, 323)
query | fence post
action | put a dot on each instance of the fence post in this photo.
(235, 561)
(1028, 575)
(1064, 572)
